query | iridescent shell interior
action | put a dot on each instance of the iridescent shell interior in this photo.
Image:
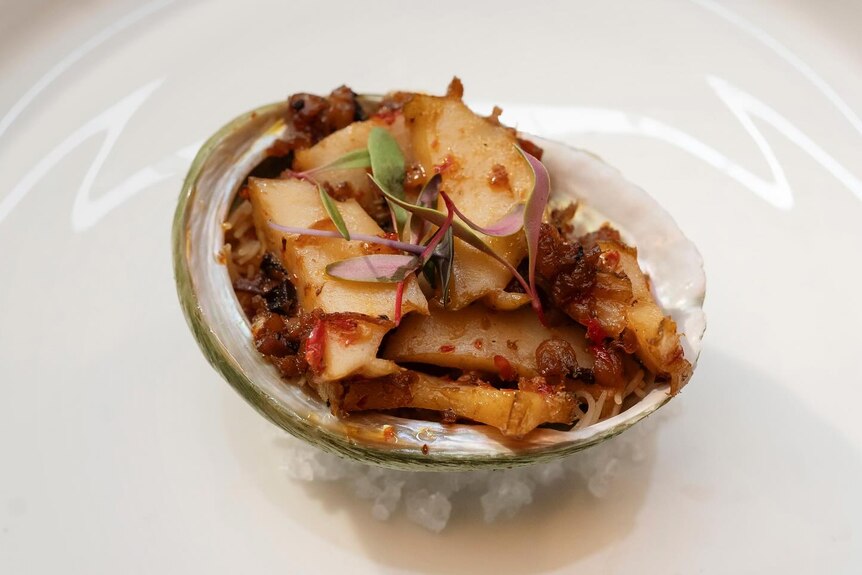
(224, 334)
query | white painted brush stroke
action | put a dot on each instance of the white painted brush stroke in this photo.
(111, 122)
(558, 122)
(74, 56)
(785, 54)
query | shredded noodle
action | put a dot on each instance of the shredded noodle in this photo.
(600, 405)
(591, 409)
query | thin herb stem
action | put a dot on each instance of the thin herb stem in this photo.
(403, 246)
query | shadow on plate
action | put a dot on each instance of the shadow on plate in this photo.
(566, 522)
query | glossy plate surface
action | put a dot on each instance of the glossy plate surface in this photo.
(123, 451)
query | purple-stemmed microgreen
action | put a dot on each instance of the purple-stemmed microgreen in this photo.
(399, 302)
(394, 244)
(439, 234)
(377, 268)
(536, 204)
(508, 225)
(388, 268)
(436, 258)
(460, 230)
(464, 233)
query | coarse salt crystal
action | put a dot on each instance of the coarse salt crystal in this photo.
(430, 510)
(502, 494)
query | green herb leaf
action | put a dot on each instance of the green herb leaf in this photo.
(380, 268)
(332, 211)
(445, 254)
(438, 269)
(387, 161)
(430, 191)
(349, 161)
(428, 199)
(387, 165)
(438, 235)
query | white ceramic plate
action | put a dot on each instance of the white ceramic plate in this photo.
(124, 452)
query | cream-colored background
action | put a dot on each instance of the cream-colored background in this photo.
(123, 451)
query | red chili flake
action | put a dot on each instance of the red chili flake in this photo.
(498, 176)
(448, 162)
(608, 367)
(611, 258)
(595, 331)
(544, 387)
(478, 344)
(342, 324)
(603, 354)
(314, 346)
(387, 115)
(448, 348)
(677, 353)
(244, 193)
(505, 369)
(424, 449)
(414, 175)
(391, 236)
